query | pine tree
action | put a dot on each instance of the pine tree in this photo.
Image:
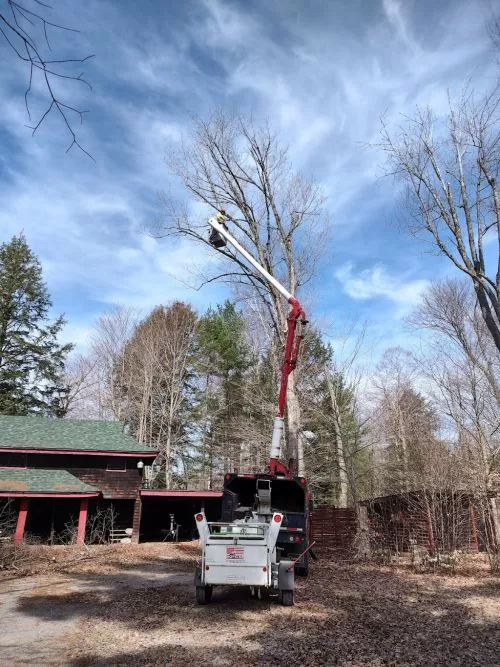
(31, 359)
(224, 356)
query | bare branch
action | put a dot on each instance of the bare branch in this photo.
(20, 40)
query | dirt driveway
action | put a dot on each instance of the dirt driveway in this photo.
(134, 605)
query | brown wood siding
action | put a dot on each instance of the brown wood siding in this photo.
(112, 484)
(92, 470)
(334, 528)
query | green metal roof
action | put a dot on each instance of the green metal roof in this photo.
(33, 480)
(67, 435)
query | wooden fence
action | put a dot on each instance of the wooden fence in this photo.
(334, 528)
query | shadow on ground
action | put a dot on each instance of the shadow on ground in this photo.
(344, 614)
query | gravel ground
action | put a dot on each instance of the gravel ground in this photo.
(134, 605)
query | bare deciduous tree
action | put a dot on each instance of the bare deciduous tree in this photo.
(111, 333)
(276, 214)
(154, 384)
(451, 174)
(22, 29)
(80, 380)
(464, 368)
(407, 424)
(93, 378)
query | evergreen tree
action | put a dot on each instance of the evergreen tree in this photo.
(31, 359)
(224, 356)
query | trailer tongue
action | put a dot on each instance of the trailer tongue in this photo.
(254, 547)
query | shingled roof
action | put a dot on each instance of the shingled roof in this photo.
(68, 435)
(37, 481)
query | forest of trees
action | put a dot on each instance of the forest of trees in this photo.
(201, 387)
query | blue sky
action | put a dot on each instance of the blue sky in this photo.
(322, 73)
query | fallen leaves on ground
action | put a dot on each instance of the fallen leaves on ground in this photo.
(344, 614)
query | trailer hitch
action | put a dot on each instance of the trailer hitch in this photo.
(299, 557)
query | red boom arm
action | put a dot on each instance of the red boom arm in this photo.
(296, 320)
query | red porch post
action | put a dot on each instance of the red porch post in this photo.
(82, 520)
(21, 520)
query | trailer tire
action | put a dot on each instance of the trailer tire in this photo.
(203, 594)
(286, 598)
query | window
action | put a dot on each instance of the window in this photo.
(116, 465)
(12, 460)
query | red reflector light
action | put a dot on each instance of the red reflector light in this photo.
(228, 476)
(199, 517)
(277, 518)
(296, 538)
(302, 481)
(264, 569)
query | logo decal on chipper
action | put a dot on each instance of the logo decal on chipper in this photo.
(235, 553)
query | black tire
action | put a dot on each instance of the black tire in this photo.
(203, 594)
(286, 598)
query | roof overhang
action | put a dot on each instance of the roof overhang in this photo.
(181, 494)
(27, 494)
(87, 452)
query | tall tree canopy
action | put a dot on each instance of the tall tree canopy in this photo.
(31, 358)
(232, 164)
(451, 175)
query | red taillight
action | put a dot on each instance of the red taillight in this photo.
(302, 481)
(296, 538)
(264, 569)
(277, 518)
(228, 476)
(199, 517)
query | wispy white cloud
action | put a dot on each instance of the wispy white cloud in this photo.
(376, 281)
(322, 76)
(393, 10)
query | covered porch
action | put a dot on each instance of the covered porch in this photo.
(46, 500)
(162, 510)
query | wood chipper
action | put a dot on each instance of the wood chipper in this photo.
(242, 553)
(253, 547)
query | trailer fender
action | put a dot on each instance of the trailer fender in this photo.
(286, 575)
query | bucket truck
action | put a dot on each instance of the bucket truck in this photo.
(264, 533)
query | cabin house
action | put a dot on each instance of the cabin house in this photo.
(57, 471)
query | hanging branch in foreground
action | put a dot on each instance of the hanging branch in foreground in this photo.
(18, 24)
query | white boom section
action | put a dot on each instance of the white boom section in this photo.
(278, 428)
(213, 222)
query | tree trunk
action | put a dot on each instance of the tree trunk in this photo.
(337, 429)
(295, 444)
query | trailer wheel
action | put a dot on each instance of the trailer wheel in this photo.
(203, 594)
(287, 598)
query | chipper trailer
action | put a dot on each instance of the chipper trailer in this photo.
(252, 548)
